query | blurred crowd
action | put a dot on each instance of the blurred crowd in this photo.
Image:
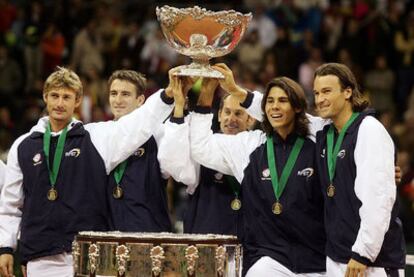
(375, 38)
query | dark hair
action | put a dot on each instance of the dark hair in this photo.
(136, 78)
(347, 79)
(297, 100)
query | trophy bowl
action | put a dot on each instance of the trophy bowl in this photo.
(202, 34)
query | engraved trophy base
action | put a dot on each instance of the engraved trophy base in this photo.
(196, 69)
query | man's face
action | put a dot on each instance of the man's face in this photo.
(232, 117)
(330, 98)
(123, 98)
(279, 111)
(61, 103)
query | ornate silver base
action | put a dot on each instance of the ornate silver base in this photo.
(199, 70)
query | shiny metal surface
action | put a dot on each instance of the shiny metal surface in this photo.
(202, 34)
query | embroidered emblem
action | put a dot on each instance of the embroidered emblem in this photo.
(75, 152)
(307, 172)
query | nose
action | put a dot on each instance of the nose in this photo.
(60, 101)
(275, 105)
(232, 117)
(118, 98)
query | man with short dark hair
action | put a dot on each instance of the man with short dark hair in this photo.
(137, 195)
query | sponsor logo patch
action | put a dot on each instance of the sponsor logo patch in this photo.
(75, 152)
(341, 154)
(140, 152)
(307, 172)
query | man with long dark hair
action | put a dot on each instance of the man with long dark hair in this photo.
(355, 157)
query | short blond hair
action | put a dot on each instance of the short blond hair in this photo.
(63, 78)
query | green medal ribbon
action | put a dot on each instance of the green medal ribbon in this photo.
(119, 172)
(280, 184)
(53, 173)
(235, 186)
(332, 152)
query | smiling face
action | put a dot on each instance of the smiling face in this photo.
(279, 111)
(330, 99)
(123, 98)
(232, 117)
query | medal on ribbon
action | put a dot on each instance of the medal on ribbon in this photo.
(119, 171)
(52, 193)
(280, 184)
(235, 186)
(332, 152)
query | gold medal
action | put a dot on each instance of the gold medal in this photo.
(117, 192)
(235, 204)
(330, 191)
(52, 194)
(277, 208)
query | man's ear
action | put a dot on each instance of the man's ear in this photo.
(250, 122)
(141, 100)
(78, 101)
(347, 93)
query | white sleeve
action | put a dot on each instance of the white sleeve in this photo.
(12, 198)
(2, 173)
(316, 124)
(253, 106)
(374, 186)
(174, 154)
(117, 140)
(228, 154)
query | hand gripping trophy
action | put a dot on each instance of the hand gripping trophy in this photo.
(202, 34)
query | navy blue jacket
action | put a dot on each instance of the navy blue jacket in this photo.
(48, 227)
(209, 210)
(143, 207)
(294, 238)
(342, 212)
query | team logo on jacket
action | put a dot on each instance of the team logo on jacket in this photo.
(218, 176)
(323, 153)
(37, 159)
(140, 152)
(75, 152)
(307, 172)
(266, 174)
(341, 154)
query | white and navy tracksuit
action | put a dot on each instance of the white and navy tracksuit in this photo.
(90, 153)
(295, 239)
(361, 219)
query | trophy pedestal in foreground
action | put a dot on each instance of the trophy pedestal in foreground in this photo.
(202, 35)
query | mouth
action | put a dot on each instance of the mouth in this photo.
(276, 116)
(232, 127)
(59, 111)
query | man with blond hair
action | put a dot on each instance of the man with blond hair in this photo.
(56, 176)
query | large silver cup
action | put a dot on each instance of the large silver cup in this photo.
(202, 34)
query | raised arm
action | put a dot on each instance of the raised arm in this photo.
(174, 146)
(228, 154)
(117, 140)
(251, 101)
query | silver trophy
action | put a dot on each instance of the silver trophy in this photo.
(202, 34)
